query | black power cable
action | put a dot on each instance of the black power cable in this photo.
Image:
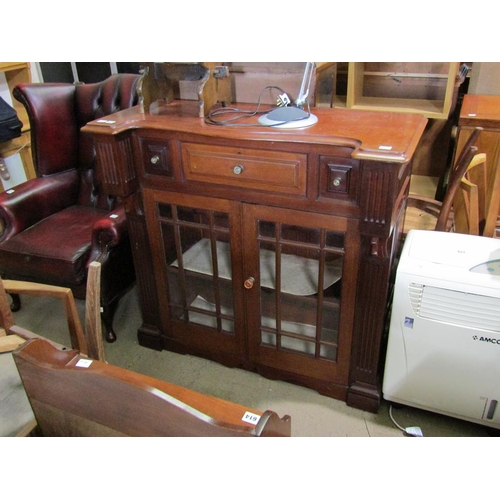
(242, 113)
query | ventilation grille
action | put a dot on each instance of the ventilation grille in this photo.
(454, 307)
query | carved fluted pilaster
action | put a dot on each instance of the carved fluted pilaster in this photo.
(378, 182)
(116, 165)
(149, 332)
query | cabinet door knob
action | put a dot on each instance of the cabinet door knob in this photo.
(249, 283)
(238, 169)
(155, 159)
(337, 181)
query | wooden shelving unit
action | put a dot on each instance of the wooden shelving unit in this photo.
(424, 88)
(18, 72)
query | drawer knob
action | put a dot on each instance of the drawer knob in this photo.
(238, 169)
(337, 181)
(249, 283)
(155, 159)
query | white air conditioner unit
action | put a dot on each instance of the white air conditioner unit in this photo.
(443, 351)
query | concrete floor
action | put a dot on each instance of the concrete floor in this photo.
(313, 415)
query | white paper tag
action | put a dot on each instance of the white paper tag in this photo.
(251, 418)
(84, 363)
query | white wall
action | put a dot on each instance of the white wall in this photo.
(35, 72)
(485, 78)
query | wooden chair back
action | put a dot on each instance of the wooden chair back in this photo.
(443, 220)
(431, 214)
(89, 341)
(72, 395)
(477, 201)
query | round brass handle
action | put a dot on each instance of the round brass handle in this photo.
(249, 283)
(238, 169)
(337, 181)
(155, 159)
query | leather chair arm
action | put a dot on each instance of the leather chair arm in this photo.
(34, 200)
(107, 233)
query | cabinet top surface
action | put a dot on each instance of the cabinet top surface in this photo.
(372, 135)
(480, 110)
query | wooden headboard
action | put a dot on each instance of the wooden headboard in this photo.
(72, 395)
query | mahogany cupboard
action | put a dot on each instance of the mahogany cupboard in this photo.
(267, 249)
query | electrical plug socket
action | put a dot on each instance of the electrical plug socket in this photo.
(4, 171)
(414, 431)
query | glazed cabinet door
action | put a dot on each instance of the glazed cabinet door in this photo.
(300, 273)
(194, 242)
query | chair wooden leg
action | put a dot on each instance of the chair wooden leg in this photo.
(107, 315)
(16, 302)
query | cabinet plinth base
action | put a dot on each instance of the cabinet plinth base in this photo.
(361, 396)
(226, 359)
(149, 336)
(322, 387)
(364, 397)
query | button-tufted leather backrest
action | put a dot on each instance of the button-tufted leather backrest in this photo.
(95, 100)
(57, 112)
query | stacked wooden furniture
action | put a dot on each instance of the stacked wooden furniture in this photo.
(212, 83)
(481, 111)
(471, 201)
(427, 88)
(267, 249)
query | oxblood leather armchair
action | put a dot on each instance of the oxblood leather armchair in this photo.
(54, 226)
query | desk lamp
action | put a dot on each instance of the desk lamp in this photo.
(288, 115)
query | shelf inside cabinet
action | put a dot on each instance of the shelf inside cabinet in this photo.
(295, 336)
(299, 274)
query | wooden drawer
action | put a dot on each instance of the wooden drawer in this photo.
(156, 156)
(248, 168)
(338, 177)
